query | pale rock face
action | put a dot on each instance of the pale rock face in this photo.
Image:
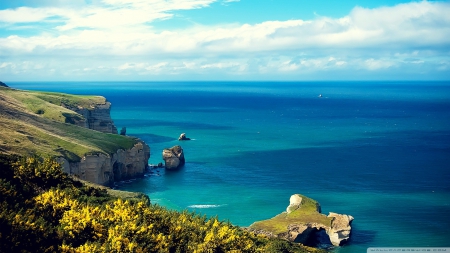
(338, 233)
(302, 232)
(105, 169)
(294, 203)
(340, 228)
(173, 157)
(97, 118)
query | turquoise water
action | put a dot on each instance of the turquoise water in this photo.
(379, 151)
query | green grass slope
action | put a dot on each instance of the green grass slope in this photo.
(33, 122)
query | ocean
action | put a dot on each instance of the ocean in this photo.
(379, 151)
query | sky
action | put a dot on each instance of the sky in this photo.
(251, 40)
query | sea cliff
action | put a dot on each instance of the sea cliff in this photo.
(106, 169)
(78, 130)
(101, 168)
(97, 117)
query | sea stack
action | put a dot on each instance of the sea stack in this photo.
(183, 137)
(173, 157)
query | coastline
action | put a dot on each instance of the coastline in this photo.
(250, 179)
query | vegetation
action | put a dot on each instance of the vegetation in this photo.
(35, 122)
(307, 213)
(42, 209)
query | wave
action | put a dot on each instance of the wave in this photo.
(204, 206)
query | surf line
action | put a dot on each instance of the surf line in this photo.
(204, 206)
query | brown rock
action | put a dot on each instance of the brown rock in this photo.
(173, 157)
(340, 229)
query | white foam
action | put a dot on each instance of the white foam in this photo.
(204, 206)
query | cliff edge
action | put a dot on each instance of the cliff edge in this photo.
(96, 117)
(304, 223)
(43, 123)
(105, 169)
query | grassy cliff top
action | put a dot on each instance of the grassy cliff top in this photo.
(33, 122)
(306, 213)
(52, 105)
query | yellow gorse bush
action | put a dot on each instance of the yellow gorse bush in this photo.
(46, 211)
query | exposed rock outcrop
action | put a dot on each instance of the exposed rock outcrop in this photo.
(105, 169)
(340, 229)
(303, 222)
(173, 157)
(183, 137)
(96, 117)
(295, 202)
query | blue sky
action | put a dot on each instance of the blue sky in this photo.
(145, 40)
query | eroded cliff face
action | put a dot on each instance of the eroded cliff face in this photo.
(96, 117)
(105, 169)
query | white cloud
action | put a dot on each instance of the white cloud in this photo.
(110, 14)
(121, 33)
(25, 14)
(373, 64)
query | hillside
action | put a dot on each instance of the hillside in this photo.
(41, 123)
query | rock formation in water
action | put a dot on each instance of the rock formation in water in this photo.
(183, 137)
(303, 222)
(340, 229)
(173, 157)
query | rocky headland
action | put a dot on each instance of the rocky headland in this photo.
(105, 169)
(304, 223)
(173, 157)
(77, 130)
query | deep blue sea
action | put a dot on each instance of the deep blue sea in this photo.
(379, 151)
